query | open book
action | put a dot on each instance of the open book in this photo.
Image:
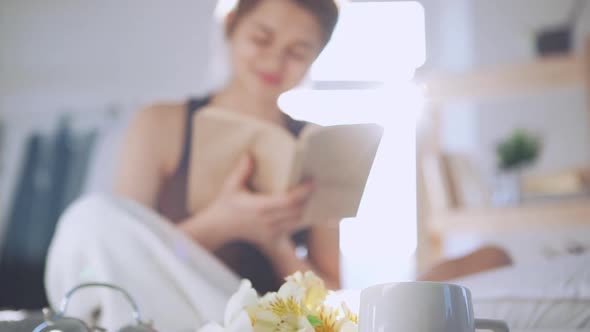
(337, 158)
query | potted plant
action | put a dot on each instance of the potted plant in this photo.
(516, 152)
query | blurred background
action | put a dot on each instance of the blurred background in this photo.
(451, 81)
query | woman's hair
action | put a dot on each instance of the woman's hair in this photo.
(325, 11)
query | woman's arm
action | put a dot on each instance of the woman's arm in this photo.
(149, 153)
(323, 255)
(324, 251)
(483, 259)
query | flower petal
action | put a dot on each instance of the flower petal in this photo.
(241, 323)
(244, 297)
(348, 326)
(304, 325)
(211, 327)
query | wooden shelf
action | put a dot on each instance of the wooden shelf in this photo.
(569, 212)
(508, 80)
(438, 213)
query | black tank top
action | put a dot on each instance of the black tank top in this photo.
(243, 258)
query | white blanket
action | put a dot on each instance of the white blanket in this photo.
(552, 294)
(176, 283)
(548, 296)
(565, 277)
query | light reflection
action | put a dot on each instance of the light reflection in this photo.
(379, 42)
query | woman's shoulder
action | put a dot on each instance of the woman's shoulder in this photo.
(171, 114)
(161, 126)
(160, 118)
(161, 113)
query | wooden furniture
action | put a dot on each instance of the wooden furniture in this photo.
(439, 213)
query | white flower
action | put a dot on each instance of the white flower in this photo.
(345, 325)
(304, 325)
(211, 327)
(236, 317)
(242, 323)
(298, 306)
(244, 298)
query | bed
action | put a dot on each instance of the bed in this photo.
(553, 295)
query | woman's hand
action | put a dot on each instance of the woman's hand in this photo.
(261, 219)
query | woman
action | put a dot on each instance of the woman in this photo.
(272, 45)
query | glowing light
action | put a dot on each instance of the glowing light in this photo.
(224, 7)
(374, 41)
(377, 42)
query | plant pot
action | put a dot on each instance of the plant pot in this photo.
(507, 189)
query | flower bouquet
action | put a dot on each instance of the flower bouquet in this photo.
(298, 306)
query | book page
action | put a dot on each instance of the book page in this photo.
(221, 138)
(296, 176)
(338, 159)
(273, 149)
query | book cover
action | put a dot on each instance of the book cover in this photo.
(337, 158)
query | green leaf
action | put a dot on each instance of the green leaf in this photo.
(315, 321)
(519, 149)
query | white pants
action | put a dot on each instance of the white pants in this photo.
(175, 283)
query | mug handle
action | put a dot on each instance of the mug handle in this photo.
(492, 325)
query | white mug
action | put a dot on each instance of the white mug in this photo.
(421, 307)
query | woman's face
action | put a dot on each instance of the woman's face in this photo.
(273, 46)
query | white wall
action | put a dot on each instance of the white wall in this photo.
(505, 29)
(504, 32)
(450, 47)
(89, 56)
(449, 35)
(104, 50)
(560, 117)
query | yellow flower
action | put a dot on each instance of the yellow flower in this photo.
(328, 318)
(331, 320)
(348, 314)
(268, 320)
(279, 314)
(306, 288)
(281, 306)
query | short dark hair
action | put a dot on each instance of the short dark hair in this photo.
(325, 11)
